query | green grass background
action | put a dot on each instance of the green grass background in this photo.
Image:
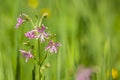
(89, 31)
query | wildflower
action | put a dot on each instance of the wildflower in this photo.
(84, 73)
(22, 18)
(31, 34)
(19, 22)
(27, 55)
(42, 34)
(52, 47)
(114, 73)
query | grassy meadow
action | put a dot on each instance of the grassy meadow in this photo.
(89, 31)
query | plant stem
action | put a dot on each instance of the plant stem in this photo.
(30, 21)
(18, 67)
(43, 16)
(33, 73)
(39, 59)
(43, 60)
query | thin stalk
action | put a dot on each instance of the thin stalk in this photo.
(43, 60)
(33, 73)
(103, 66)
(39, 59)
(43, 16)
(18, 67)
(28, 18)
(31, 22)
(110, 60)
(40, 21)
(40, 64)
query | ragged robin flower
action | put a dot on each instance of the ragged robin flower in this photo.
(52, 47)
(42, 35)
(22, 18)
(19, 22)
(38, 33)
(27, 55)
(31, 34)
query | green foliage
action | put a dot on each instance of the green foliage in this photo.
(88, 30)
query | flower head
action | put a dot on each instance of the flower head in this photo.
(27, 55)
(19, 22)
(42, 29)
(22, 18)
(113, 72)
(52, 47)
(84, 73)
(42, 35)
(31, 34)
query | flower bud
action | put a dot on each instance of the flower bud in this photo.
(45, 15)
(24, 16)
(47, 65)
(27, 43)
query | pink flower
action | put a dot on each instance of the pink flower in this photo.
(52, 47)
(19, 22)
(84, 73)
(27, 55)
(43, 28)
(38, 33)
(42, 35)
(31, 34)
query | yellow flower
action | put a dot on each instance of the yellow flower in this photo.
(114, 73)
(45, 10)
(33, 3)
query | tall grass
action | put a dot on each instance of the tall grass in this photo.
(88, 29)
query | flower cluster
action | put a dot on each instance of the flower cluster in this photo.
(39, 33)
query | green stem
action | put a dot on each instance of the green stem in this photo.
(33, 73)
(39, 59)
(40, 64)
(43, 16)
(43, 59)
(30, 20)
(40, 21)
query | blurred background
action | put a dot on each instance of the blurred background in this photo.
(89, 31)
